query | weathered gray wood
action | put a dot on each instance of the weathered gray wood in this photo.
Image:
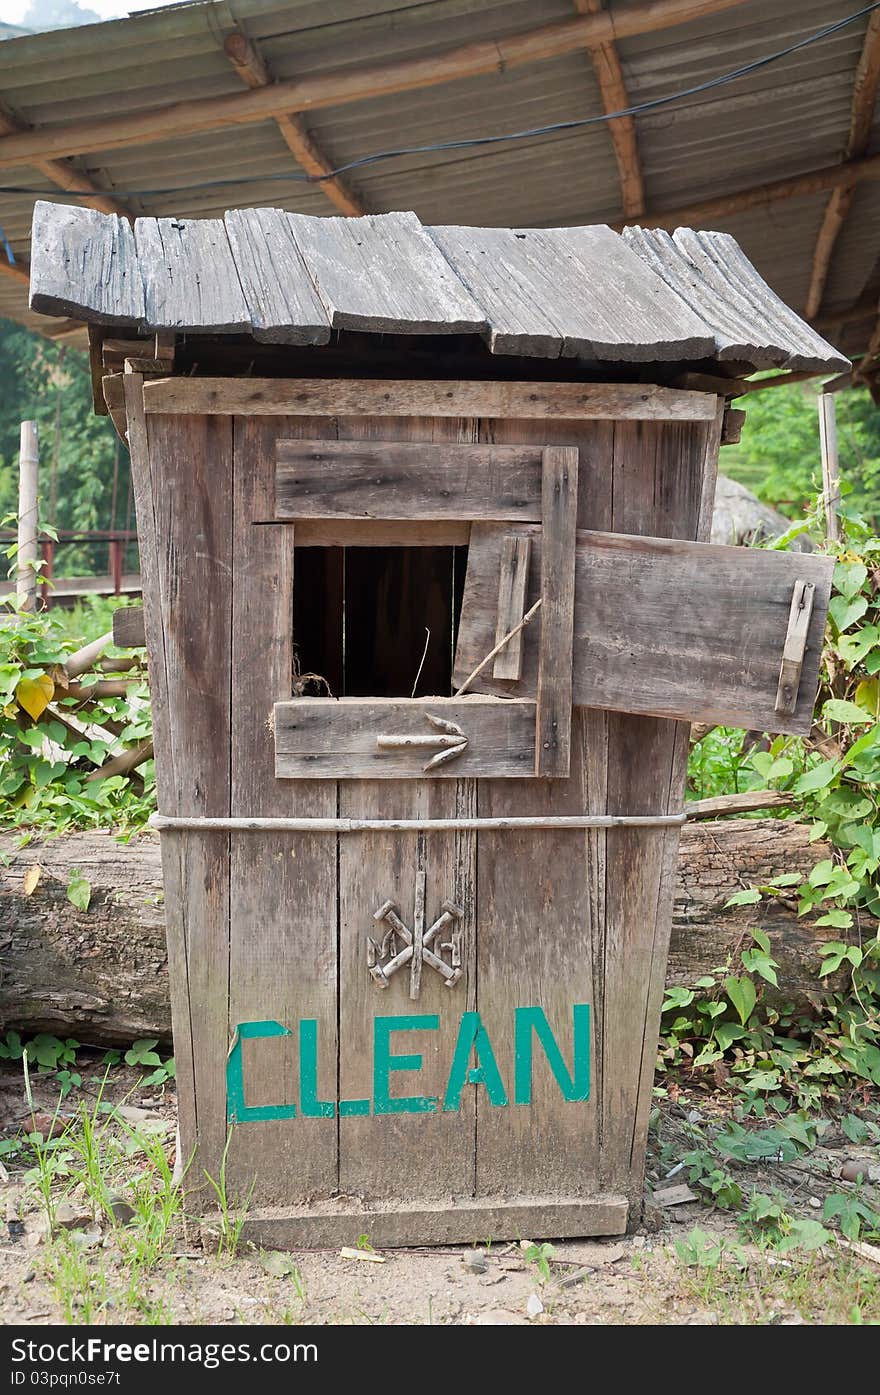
(395, 532)
(512, 583)
(182, 473)
(84, 263)
(101, 975)
(282, 953)
(455, 1221)
(576, 291)
(384, 398)
(830, 464)
(797, 634)
(189, 276)
(554, 683)
(719, 805)
(749, 322)
(329, 739)
(366, 480)
(693, 631)
(283, 305)
(541, 910)
(433, 1152)
(128, 627)
(721, 262)
(582, 291)
(383, 273)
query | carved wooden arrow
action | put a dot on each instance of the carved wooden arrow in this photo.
(448, 741)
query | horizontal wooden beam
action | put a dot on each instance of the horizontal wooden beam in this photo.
(336, 397)
(254, 72)
(366, 480)
(354, 83)
(865, 308)
(401, 739)
(16, 271)
(864, 100)
(842, 176)
(778, 380)
(63, 175)
(622, 131)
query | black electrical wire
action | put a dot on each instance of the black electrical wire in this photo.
(470, 143)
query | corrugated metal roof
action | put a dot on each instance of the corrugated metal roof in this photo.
(783, 120)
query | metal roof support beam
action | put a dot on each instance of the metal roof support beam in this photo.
(253, 70)
(353, 83)
(64, 175)
(861, 119)
(609, 75)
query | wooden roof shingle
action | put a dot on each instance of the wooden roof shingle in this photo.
(583, 292)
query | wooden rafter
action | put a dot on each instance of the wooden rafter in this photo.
(762, 195)
(63, 174)
(253, 70)
(868, 364)
(861, 119)
(353, 83)
(609, 75)
(865, 308)
(16, 271)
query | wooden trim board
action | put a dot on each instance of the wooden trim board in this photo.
(364, 397)
(469, 1221)
(396, 738)
(558, 529)
(363, 480)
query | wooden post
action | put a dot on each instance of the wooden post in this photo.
(830, 465)
(28, 472)
(116, 565)
(47, 553)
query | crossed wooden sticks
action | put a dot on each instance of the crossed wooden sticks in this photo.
(416, 943)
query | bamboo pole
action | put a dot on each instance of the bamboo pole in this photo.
(354, 82)
(830, 465)
(28, 479)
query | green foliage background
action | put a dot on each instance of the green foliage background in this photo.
(778, 457)
(48, 383)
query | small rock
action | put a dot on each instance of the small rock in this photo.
(68, 1217)
(815, 1203)
(494, 1317)
(15, 1229)
(652, 1218)
(534, 1306)
(89, 1239)
(122, 1212)
(475, 1261)
(858, 1170)
(132, 1114)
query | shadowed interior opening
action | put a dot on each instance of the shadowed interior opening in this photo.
(376, 621)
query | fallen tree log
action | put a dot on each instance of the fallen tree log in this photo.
(101, 975)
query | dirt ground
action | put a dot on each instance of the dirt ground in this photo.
(81, 1272)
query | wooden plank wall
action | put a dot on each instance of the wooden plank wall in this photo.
(182, 473)
(278, 922)
(283, 891)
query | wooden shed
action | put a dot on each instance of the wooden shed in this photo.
(428, 611)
